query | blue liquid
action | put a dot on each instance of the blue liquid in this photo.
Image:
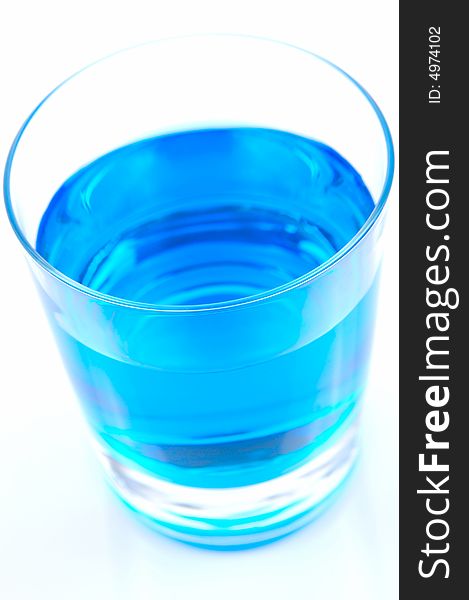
(198, 218)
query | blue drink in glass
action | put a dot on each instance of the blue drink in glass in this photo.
(212, 292)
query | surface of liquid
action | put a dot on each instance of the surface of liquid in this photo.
(192, 220)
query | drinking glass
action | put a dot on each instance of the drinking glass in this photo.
(234, 422)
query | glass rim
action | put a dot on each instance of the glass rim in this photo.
(266, 295)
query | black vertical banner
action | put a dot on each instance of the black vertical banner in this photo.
(434, 267)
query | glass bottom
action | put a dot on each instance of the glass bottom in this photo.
(236, 517)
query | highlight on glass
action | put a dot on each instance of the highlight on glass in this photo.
(202, 217)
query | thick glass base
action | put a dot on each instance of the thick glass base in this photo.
(239, 516)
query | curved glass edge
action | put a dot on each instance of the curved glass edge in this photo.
(301, 281)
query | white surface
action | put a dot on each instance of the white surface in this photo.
(62, 533)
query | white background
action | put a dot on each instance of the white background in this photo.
(62, 534)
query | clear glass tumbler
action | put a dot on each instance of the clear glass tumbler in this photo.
(225, 415)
